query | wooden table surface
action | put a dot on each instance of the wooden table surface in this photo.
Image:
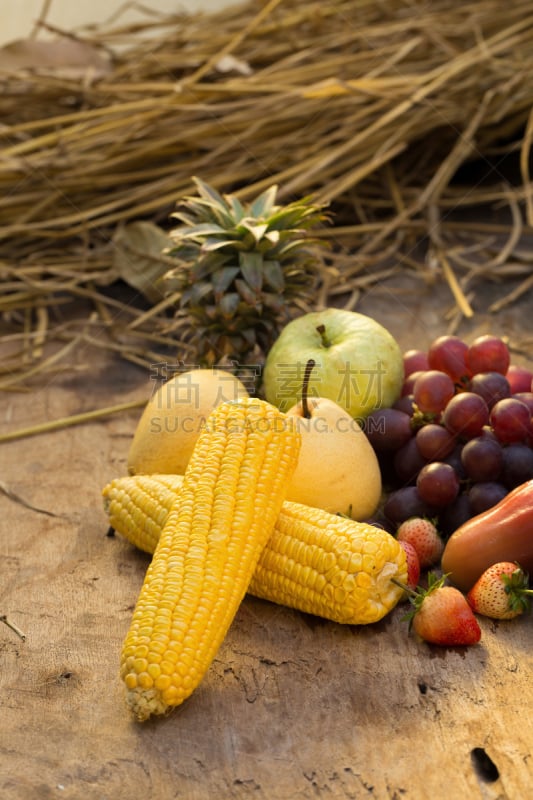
(293, 707)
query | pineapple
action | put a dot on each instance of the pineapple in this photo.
(241, 271)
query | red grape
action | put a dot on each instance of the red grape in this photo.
(519, 378)
(482, 459)
(491, 386)
(432, 390)
(460, 436)
(525, 397)
(510, 420)
(409, 382)
(448, 354)
(387, 429)
(438, 484)
(488, 354)
(434, 442)
(466, 414)
(414, 361)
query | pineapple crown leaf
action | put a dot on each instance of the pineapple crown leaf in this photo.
(251, 269)
(238, 210)
(263, 205)
(240, 268)
(229, 212)
(207, 192)
(250, 225)
(212, 222)
(202, 230)
(221, 279)
(225, 209)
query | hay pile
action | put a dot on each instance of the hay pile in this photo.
(371, 106)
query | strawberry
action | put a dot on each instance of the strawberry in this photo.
(442, 615)
(501, 592)
(423, 535)
(413, 564)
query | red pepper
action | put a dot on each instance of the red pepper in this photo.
(502, 533)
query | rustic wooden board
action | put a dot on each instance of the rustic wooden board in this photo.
(292, 708)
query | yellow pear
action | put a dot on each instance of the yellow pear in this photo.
(174, 417)
(337, 467)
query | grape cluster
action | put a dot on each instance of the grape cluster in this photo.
(460, 437)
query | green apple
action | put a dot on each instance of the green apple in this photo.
(359, 364)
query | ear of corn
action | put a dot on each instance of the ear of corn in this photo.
(138, 506)
(207, 551)
(314, 561)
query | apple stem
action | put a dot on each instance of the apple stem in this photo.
(305, 388)
(321, 329)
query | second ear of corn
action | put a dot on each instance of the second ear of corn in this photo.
(208, 549)
(314, 561)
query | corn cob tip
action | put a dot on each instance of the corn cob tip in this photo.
(143, 703)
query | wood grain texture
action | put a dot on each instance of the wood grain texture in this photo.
(293, 708)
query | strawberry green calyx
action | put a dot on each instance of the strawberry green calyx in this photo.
(516, 586)
(417, 596)
(501, 592)
(441, 615)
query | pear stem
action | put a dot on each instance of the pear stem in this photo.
(305, 388)
(321, 329)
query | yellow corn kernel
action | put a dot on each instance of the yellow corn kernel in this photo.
(311, 554)
(207, 551)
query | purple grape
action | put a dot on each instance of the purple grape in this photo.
(491, 386)
(388, 429)
(485, 495)
(488, 433)
(380, 521)
(408, 462)
(454, 515)
(404, 503)
(454, 460)
(517, 465)
(482, 459)
(405, 403)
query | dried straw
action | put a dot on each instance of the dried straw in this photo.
(372, 107)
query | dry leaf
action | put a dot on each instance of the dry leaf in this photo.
(139, 259)
(65, 57)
